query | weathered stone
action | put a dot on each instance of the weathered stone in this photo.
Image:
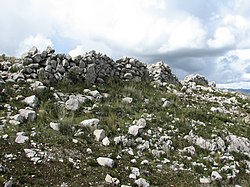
(205, 180)
(105, 161)
(105, 141)
(49, 50)
(32, 101)
(141, 182)
(238, 144)
(161, 73)
(92, 123)
(109, 179)
(141, 123)
(28, 114)
(133, 130)
(166, 104)
(198, 79)
(127, 100)
(91, 74)
(216, 176)
(72, 104)
(37, 58)
(17, 117)
(21, 138)
(54, 126)
(99, 134)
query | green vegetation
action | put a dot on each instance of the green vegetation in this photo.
(115, 118)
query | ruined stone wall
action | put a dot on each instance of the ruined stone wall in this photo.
(92, 67)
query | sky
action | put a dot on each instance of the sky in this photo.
(210, 37)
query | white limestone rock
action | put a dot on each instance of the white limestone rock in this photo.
(135, 171)
(205, 180)
(14, 122)
(238, 144)
(17, 117)
(133, 130)
(127, 100)
(94, 93)
(21, 138)
(99, 134)
(32, 101)
(72, 103)
(215, 176)
(141, 123)
(89, 151)
(54, 126)
(111, 180)
(141, 182)
(105, 161)
(91, 123)
(166, 104)
(190, 150)
(105, 141)
(28, 114)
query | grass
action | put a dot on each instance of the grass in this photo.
(175, 120)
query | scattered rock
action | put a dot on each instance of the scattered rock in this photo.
(72, 104)
(105, 141)
(92, 123)
(99, 134)
(166, 104)
(127, 100)
(32, 101)
(21, 138)
(28, 114)
(141, 123)
(105, 161)
(133, 130)
(54, 126)
(112, 180)
(238, 144)
(9, 183)
(141, 182)
(205, 180)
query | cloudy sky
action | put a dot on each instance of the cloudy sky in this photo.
(210, 37)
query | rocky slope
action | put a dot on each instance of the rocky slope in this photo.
(93, 121)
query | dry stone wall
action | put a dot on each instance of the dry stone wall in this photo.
(92, 67)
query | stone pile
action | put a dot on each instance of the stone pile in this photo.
(92, 67)
(197, 79)
(131, 69)
(161, 73)
(97, 67)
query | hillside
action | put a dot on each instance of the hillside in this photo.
(93, 121)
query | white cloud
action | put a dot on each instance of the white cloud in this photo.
(236, 85)
(236, 21)
(79, 50)
(223, 37)
(232, 68)
(40, 41)
(189, 34)
(243, 54)
(179, 34)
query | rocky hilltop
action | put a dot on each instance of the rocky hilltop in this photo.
(93, 121)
